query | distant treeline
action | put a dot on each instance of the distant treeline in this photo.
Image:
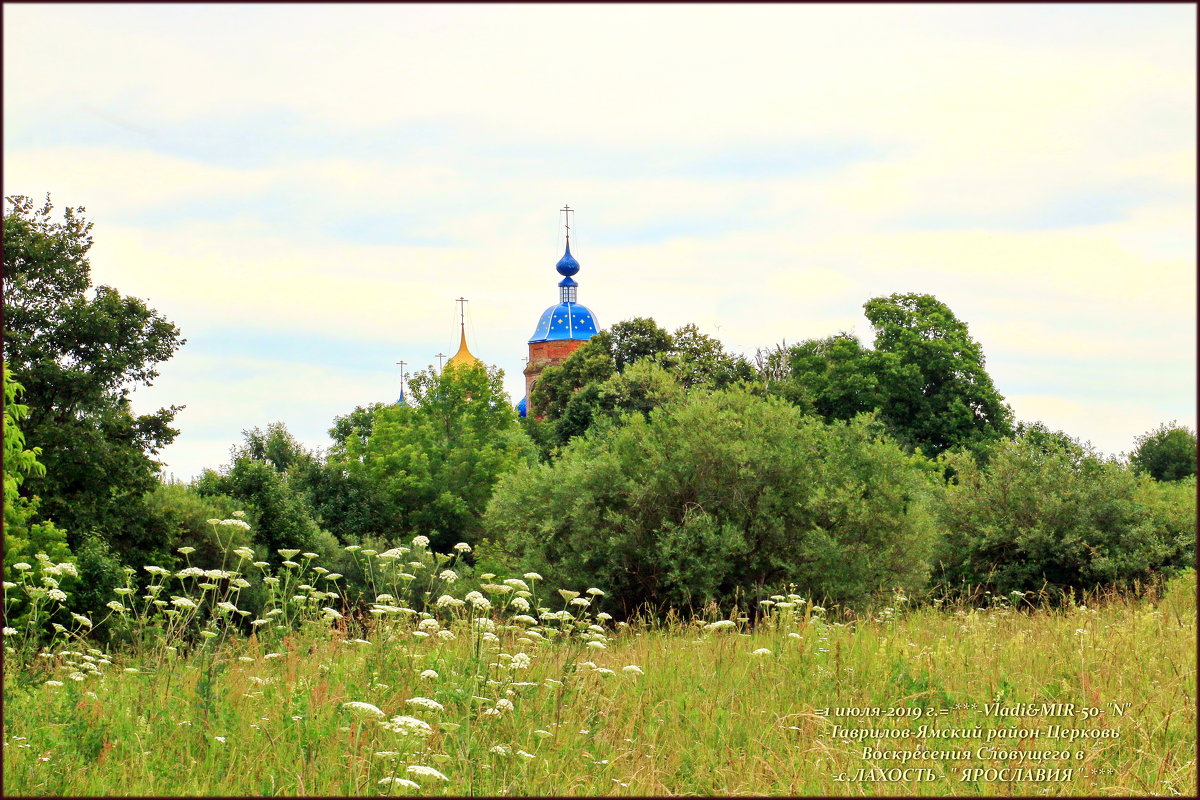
(657, 465)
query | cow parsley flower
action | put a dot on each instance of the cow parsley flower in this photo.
(360, 709)
(462, 547)
(633, 669)
(187, 551)
(429, 675)
(405, 782)
(182, 602)
(408, 726)
(762, 651)
(420, 541)
(425, 702)
(448, 575)
(720, 624)
(425, 772)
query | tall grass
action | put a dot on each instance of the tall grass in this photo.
(523, 691)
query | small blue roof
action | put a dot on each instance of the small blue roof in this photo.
(565, 321)
(522, 407)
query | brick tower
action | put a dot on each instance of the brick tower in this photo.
(562, 327)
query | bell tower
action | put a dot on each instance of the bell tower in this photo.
(562, 328)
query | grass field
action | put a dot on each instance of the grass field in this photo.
(477, 700)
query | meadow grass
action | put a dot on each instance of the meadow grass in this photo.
(507, 704)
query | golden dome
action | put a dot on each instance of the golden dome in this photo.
(463, 357)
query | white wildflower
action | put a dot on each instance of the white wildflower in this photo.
(720, 624)
(426, 772)
(420, 541)
(360, 709)
(462, 547)
(429, 675)
(448, 575)
(405, 782)
(407, 726)
(633, 669)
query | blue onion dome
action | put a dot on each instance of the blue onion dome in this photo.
(522, 407)
(565, 321)
(568, 319)
(567, 265)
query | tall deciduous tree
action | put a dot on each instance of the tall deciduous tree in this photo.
(436, 461)
(925, 377)
(1166, 453)
(79, 351)
(934, 391)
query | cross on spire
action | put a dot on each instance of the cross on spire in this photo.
(567, 211)
(440, 356)
(462, 311)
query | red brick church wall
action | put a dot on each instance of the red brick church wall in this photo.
(542, 355)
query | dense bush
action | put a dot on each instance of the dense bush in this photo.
(1166, 453)
(1047, 510)
(719, 493)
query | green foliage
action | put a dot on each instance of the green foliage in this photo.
(834, 377)
(78, 354)
(934, 391)
(698, 360)
(179, 515)
(630, 341)
(434, 463)
(587, 386)
(642, 387)
(925, 377)
(556, 384)
(1042, 512)
(274, 507)
(1166, 453)
(721, 492)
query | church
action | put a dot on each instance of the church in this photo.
(561, 329)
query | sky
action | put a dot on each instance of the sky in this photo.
(305, 189)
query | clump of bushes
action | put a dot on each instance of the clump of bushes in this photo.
(721, 493)
(1046, 510)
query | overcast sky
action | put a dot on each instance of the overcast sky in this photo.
(305, 189)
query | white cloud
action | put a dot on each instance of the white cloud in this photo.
(1033, 167)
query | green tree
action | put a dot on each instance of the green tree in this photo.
(836, 378)
(23, 539)
(925, 377)
(276, 508)
(79, 351)
(1166, 453)
(1041, 513)
(555, 385)
(642, 387)
(721, 492)
(934, 391)
(697, 359)
(631, 340)
(435, 462)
